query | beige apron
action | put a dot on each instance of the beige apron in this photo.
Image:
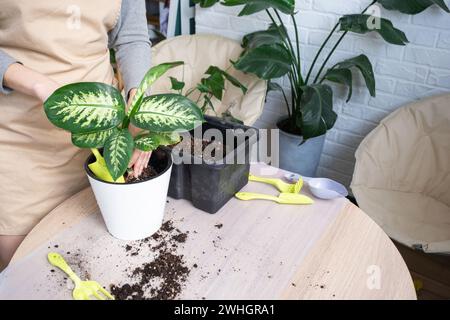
(67, 41)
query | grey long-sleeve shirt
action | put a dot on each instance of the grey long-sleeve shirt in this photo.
(129, 39)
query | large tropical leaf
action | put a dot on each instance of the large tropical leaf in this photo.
(253, 6)
(363, 64)
(95, 139)
(343, 76)
(270, 36)
(412, 6)
(152, 75)
(266, 61)
(117, 152)
(317, 115)
(166, 113)
(361, 23)
(85, 107)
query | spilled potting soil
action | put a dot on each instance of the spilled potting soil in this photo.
(163, 277)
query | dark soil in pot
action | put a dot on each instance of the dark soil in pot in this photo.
(198, 146)
(159, 162)
(212, 183)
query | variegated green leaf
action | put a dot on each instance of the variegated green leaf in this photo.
(166, 113)
(152, 75)
(147, 142)
(92, 139)
(85, 107)
(117, 152)
(168, 139)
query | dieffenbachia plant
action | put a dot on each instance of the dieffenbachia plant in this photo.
(271, 54)
(95, 114)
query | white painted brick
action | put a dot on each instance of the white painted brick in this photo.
(416, 73)
(444, 40)
(439, 78)
(414, 90)
(351, 6)
(387, 102)
(403, 74)
(433, 17)
(427, 57)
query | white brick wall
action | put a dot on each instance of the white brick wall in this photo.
(403, 74)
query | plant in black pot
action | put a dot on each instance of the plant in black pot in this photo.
(272, 54)
(214, 158)
(95, 115)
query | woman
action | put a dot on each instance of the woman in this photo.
(43, 45)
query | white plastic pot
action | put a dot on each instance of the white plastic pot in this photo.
(133, 211)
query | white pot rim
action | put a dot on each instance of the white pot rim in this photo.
(91, 157)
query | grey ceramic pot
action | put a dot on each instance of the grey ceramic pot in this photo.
(303, 159)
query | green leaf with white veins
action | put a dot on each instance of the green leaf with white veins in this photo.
(152, 75)
(85, 107)
(166, 113)
(147, 142)
(117, 152)
(95, 139)
(169, 138)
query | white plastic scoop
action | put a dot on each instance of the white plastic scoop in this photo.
(321, 188)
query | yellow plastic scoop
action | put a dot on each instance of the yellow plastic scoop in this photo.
(84, 290)
(279, 184)
(100, 169)
(283, 198)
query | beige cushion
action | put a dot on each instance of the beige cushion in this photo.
(199, 52)
(402, 174)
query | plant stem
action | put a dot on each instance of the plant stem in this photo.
(297, 38)
(334, 48)
(329, 56)
(287, 102)
(319, 52)
(135, 108)
(285, 38)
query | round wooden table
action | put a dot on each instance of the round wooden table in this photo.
(329, 250)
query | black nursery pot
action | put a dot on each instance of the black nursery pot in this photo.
(211, 184)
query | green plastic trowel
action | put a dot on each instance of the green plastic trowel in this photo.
(100, 169)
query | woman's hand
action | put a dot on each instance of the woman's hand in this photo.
(43, 90)
(30, 82)
(140, 159)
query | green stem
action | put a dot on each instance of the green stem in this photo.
(329, 56)
(334, 48)
(286, 40)
(297, 38)
(322, 47)
(135, 108)
(287, 102)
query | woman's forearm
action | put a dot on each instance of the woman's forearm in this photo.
(30, 82)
